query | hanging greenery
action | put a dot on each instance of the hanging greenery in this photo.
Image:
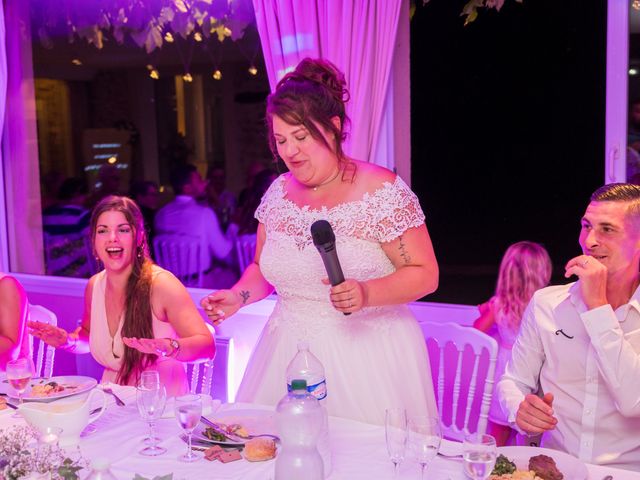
(149, 23)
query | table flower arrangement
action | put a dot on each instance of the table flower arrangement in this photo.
(22, 457)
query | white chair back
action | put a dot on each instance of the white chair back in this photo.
(181, 256)
(463, 361)
(211, 377)
(45, 353)
(245, 250)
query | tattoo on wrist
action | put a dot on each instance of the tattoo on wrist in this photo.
(403, 252)
(245, 296)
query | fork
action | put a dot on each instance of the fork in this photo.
(232, 436)
(118, 400)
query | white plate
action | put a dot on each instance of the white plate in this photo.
(569, 466)
(255, 422)
(73, 384)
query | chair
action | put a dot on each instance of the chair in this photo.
(181, 256)
(45, 353)
(463, 361)
(211, 377)
(245, 249)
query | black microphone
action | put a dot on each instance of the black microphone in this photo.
(325, 241)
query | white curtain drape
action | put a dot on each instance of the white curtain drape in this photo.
(359, 36)
(4, 251)
(20, 145)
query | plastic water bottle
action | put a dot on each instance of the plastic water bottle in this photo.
(100, 470)
(299, 419)
(305, 365)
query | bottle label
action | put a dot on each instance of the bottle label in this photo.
(319, 390)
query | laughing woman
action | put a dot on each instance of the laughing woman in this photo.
(137, 316)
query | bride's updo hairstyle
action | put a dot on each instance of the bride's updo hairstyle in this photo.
(311, 95)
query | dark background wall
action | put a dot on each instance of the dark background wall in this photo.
(508, 124)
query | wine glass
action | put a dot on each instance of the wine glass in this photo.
(479, 453)
(151, 402)
(425, 436)
(188, 409)
(395, 429)
(150, 379)
(19, 373)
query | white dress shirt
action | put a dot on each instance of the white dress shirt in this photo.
(590, 361)
(184, 216)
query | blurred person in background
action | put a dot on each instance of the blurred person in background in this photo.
(525, 268)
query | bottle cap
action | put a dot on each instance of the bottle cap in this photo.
(298, 384)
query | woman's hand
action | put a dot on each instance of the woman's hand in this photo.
(49, 334)
(220, 305)
(155, 346)
(348, 296)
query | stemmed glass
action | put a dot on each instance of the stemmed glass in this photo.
(151, 400)
(424, 439)
(19, 373)
(150, 379)
(479, 453)
(395, 429)
(188, 409)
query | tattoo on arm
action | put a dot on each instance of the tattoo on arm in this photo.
(403, 252)
(245, 296)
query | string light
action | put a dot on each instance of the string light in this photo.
(168, 37)
(217, 75)
(76, 61)
(154, 74)
(197, 37)
(253, 70)
(187, 77)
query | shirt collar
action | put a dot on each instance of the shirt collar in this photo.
(576, 299)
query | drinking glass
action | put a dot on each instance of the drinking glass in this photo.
(19, 373)
(149, 379)
(151, 402)
(479, 453)
(395, 429)
(188, 409)
(424, 439)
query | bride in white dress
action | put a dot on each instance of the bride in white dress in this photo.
(376, 357)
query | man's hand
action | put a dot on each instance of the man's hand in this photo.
(535, 414)
(593, 279)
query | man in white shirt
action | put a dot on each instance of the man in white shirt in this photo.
(184, 216)
(574, 373)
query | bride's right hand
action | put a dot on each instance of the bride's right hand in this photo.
(49, 334)
(220, 305)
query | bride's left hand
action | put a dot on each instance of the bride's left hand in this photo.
(348, 296)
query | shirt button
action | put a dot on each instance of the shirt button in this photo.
(586, 443)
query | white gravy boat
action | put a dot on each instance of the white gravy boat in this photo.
(71, 415)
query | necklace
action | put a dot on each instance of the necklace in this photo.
(326, 182)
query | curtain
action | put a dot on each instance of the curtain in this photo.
(20, 146)
(359, 36)
(4, 252)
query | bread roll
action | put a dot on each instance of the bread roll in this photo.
(259, 449)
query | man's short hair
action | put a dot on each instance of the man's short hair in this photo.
(181, 176)
(620, 192)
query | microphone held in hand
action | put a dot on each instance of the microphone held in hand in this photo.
(325, 241)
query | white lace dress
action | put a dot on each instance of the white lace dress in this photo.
(374, 358)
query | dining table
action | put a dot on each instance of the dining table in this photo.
(358, 449)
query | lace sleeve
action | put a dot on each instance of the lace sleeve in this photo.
(274, 190)
(394, 209)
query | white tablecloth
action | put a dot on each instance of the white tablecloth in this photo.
(359, 451)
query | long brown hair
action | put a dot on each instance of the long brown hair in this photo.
(137, 318)
(314, 93)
